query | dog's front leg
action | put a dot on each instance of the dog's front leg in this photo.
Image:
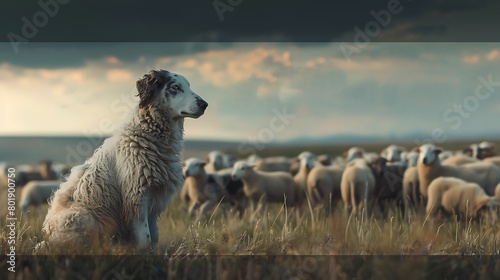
(153, 229)
(141, 227)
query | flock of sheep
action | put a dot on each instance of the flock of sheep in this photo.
(464, 183)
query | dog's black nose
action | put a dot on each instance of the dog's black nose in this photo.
(202, 103)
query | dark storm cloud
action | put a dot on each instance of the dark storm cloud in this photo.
(249, 20)
(69, 55)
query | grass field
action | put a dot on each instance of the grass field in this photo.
(288, 243)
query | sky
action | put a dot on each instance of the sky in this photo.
(277, 91)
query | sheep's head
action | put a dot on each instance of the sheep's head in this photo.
(428, 154)
(215, 157)
(392, 153)
(487, 209)
(162, 88)
(241, 168)
(354, 153)
(193, 167)
(307, 160)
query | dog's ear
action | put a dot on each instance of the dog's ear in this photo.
(149, 85)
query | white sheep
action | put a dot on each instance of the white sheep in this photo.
(411, 158)
(457, 197)
(458, 160)
(37, 193)
(271, 164)
(411, 190)
(392, 153)
(446, 155)
(205, 190)
(354, 153)
(265, 186)
(357, 186)
(323, 184)
(307, 161)
(494, 160)
(228, 161)
(215, 161)
(430, 167)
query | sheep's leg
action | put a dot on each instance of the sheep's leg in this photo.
(205, 207)
(194, 206)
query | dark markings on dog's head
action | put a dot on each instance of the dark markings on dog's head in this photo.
(150, 84)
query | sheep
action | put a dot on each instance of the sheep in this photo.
(392, 153)
(307, 161)
(446, 155)
(205, 190)
(388, 182)
(457, 197)
(215, 161)
(411, 190)
(410, 159)
(231, 190)
(494, 160)
(480, 151)
(357, 186)
(37, 193)
(26, 173)
(271, 164)
(429, 168)
(354, 153)
(369, 157)
(459, 160)
(324, 160)
(487, 149)
(323, 183)
(228, 161)
(265, 186)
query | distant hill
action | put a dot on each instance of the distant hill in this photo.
(74, 150)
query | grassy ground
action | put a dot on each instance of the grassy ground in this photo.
(288, 243)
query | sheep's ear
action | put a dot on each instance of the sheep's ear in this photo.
(416, 150)
(438, 150)
(296, 159)
(251, 166)
(183, 164)
(149, 85)
(467, 151)
(202, 164)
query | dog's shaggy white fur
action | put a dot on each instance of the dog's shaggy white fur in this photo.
(121, 190)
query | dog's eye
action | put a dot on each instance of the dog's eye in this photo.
(176, 87)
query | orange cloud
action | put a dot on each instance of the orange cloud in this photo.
(118, 75)
(493, 55)
(473, 59)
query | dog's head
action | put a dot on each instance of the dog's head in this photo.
(160, 87)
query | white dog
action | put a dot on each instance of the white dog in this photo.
(122, 189)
